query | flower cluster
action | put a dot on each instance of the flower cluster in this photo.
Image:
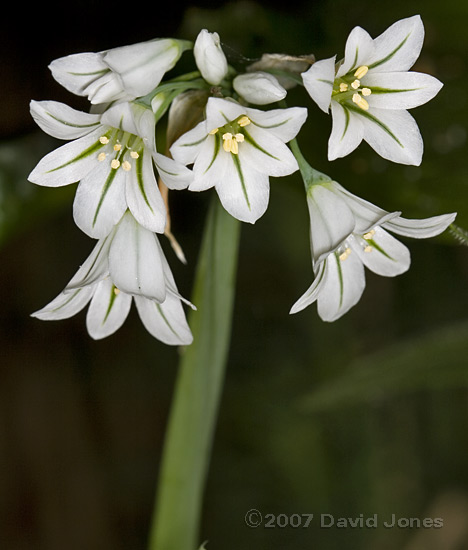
(230, 131)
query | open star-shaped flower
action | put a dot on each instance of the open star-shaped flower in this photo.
(127, 264)
(235, 149)
(112, 156)
(370, 90)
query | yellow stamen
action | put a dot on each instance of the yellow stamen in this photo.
(134, 155)
(239, 138)
(117, 147)
(345, 254)
(126, 166)
(369, 235)
(115, 164)
(361, 71)
(227, 142)
(360, 102)
(366, 91)
(244, 121)
(368, 248)
(343, 87)
(212, 132)
(234, 147)
(355, 85)
(101, 157)
(104, 140)
(116, 291)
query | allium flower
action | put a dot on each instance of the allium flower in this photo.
(235, 149)
(112, 156)
(209, 57)
(123, 73)
(259, 88)
(348, 234)
(370, 90)
(127, 263)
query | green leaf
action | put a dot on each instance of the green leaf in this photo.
(431, 362)
(199, 385)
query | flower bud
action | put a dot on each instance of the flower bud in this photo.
(209, 57)
(259, 88)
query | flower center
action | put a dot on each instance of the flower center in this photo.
(232, 133)
(349, 87)
(122, 148)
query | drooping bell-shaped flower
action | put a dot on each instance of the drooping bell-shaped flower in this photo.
(112, 156)
(123, 73)
(259, 88)
(370, 90)
(348, 234)
(128, 263)
(209, 57)
(235, 150)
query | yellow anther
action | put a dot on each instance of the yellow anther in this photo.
(234, 147)
(369, 235)
(366, 91)
(101, 157)
(368, 248)
(345, 254)
(355, 85)
(243, 121)
(117, 147)
(134, 155)
(126, 166)
(116, 291)
(212, 132)
(343, 87)
(361, 71)
(360, 102)
(227, 142)
(104, 140)
(239, 138)
(115, 164)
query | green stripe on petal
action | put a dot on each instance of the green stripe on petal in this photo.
(340, 277)
(235, 159)
(139, 178)
(217, 143)
(105, 189)
(113, 296)
(375, 120)
(379, 249)
(84, 154)
(165, 319)
(391, 54)
(250, 139)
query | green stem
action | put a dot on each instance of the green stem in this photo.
(192, 421)
(309, 174)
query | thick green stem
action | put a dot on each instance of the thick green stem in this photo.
(309, 174)
(192, 421)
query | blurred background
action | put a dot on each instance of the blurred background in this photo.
(367, 415)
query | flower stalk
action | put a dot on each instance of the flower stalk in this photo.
(192, 421)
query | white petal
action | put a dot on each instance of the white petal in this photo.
(382, 253)
(347, 132)
(187, 147)
(142, 194)
(400, 90)
(420, 229)
(65, 305)
(173, 174)
(132, 118)
(259, 88)
(398, 47)
(94, 269)
(283, 124)
(312, 293)
(366, 214)
(165, 321)
(266, 153)
(343, 286)
(394, 135)
(220, 111)
(209, 57)
(211, 164)
(61, 121)
(318, 81)
(359, 48)
(100, 200)
(134, 261)
(69, 163)
(331, 221)
(78, 72)
(108, 310)
(141, 66)
(244, 192)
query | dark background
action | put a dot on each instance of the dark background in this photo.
(364, 416)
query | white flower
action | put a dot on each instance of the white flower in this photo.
(348, 234)
(112, 157)
(235, 149)
(127, 263)
(209, 57)
(370, 90)
(120, 73)
(259, 88)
